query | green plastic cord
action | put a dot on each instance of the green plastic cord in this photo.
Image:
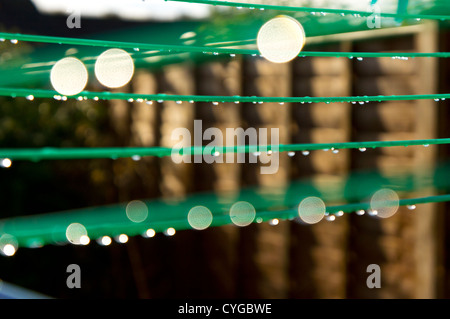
(44, 229)
(205, 49)
(131, 97)
(49, 153)
(318, 11)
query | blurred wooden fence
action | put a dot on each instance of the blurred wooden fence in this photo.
(326, 260)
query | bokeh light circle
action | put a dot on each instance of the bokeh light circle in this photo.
(137, 211)
(385, 202)
(114, 68)
(242, 213)
(281, 39)
(311, 210)
(200, 217)
(75, 233)
(69, 76)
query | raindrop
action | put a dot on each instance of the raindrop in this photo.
(6, 163)
(30, 97)
(170, 231)
(362, 149)
(290, 154)
(14, 41)
(330, 218)
(104, 241)
(179, 102)
(149, 102)
(360, 212)
(274, 222)
(360, 58)
(149, 233)
(305, 153)
(372, 212)
(411, 207)
(215, 103)
(335, 151)
(426, 145)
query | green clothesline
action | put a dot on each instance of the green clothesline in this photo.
(131, 97)
(315, 10)
(40, 230)
(48, 153)
(204, 49)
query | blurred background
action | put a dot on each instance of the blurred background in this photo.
(264, 260)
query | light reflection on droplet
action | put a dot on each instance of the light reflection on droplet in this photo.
(149, 233)
(311, 210)
(281, 39)
(84, 240)
(136, 211)
(411, 207)
(105, 241)
(385, 202)
(6, 163)
(170, 231)
(200, 217)
(9, 250)
(242, 213)
(274, 222)
(122, 238)
(114, 68)
(69, 76)
(8, 245)
(360, 212)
